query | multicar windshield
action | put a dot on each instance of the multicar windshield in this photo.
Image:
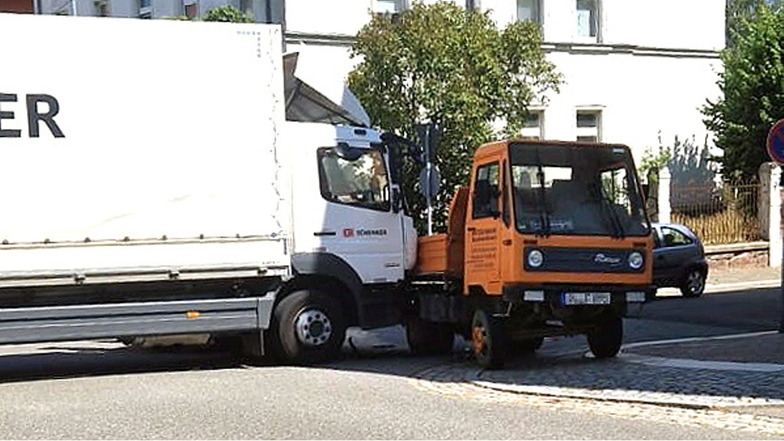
(582, 190)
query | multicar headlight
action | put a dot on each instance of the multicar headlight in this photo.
(535, 258)
(635, 260)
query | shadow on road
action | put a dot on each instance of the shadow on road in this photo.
(561, 363)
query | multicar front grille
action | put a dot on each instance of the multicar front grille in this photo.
(584, 260)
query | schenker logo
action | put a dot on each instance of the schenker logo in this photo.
(601, 258)
(350, 232)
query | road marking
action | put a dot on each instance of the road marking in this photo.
(700, 364)
(697, 339)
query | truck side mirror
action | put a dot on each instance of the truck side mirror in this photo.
(347, 152)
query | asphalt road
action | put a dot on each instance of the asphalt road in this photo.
(752, 311)
(101, 390)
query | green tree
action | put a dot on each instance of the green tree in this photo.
(441, 63)
(752, 84)
(229, 14)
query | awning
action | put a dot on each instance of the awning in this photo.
(317, 92)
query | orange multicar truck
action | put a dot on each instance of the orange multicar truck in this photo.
(551, 239)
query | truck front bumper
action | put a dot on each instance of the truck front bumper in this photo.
(565, 295)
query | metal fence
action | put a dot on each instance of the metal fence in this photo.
(720, 213)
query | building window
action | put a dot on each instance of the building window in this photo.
(191, 8)
(389, 6)
(532, 129)
(145, 8)
(588, 18)
(529, 10)
(589, 124)
(101, 8)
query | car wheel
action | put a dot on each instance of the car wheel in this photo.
(693, 284)
(307, 327)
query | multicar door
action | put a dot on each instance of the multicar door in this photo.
(484, 228)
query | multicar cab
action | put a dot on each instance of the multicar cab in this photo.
(551, 238)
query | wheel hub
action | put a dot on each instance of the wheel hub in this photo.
(695, 282)
(313, 327)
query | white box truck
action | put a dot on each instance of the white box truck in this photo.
(153, 185)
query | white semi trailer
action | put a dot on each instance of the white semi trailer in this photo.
(170, 178)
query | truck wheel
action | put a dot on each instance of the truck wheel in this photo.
(693, 284)
(488, 340)
(428, 338)
(605, 340)
(307, 327)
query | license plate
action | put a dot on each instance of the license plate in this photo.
(586, 298)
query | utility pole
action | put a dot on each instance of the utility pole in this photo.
(73, 8)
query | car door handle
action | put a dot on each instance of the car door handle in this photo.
(471, 229)
(324, 233)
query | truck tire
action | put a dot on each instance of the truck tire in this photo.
(605, 340)
(428, 338)
(488, 341)
(307, 327)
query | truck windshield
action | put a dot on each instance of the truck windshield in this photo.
(576, 190)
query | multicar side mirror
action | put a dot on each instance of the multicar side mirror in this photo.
(397, 200)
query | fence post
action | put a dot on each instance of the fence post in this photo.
(665, 178)
(770, 210)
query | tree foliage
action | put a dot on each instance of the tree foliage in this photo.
(738, 10)
(441, 63)
(228, 14)
(753, 91)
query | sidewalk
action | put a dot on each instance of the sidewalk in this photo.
(724, 279)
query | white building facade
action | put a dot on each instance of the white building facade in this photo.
(635, 72)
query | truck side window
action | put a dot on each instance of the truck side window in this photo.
(486, 191)
(362, 182)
